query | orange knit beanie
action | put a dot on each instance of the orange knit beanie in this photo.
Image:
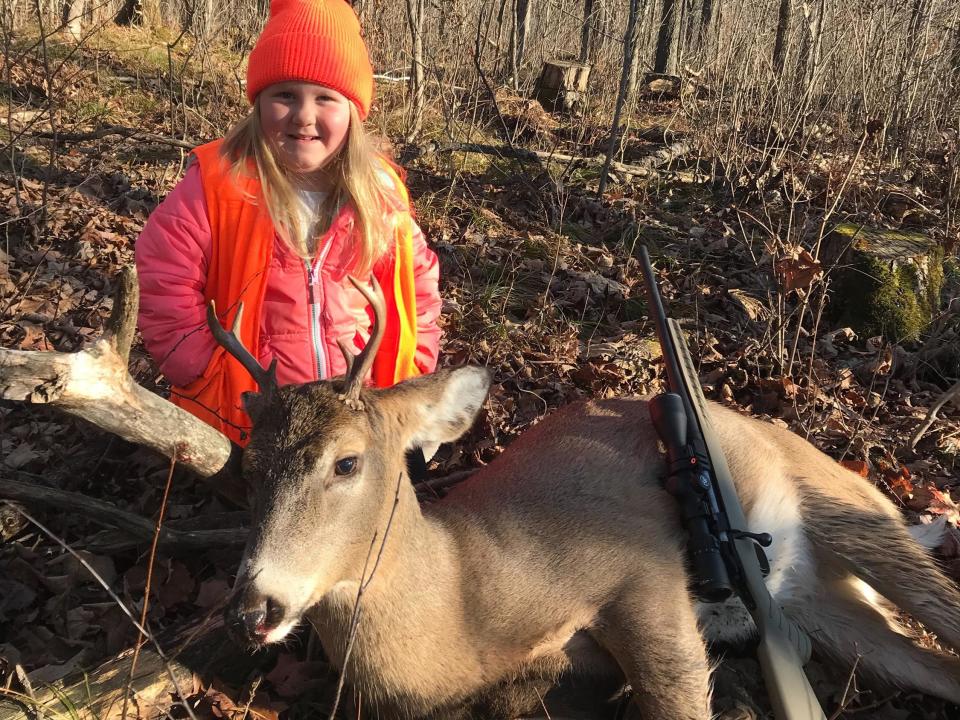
(314, 40)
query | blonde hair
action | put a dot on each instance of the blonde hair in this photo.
(356, 174)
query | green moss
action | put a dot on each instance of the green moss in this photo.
(897, 241)
(951, 275)
(879, 297)
(935, 283)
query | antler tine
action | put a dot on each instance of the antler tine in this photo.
(360, 366)
(230, 341)
(347, 355)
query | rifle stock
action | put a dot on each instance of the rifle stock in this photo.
(784, 647)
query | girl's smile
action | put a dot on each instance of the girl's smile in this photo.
(306, 123)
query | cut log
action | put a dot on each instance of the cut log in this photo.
(884, 282)
(94, 384)
(562, 85)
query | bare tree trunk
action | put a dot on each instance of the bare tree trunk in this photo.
(73, 18)
(131, 13)
(662, 62)
(897, 123)
(682, 28)
(699, 24)
(955, 55)
(601, 24)
(811, 50)
(692, 14)
(512, 48)
(204, 28)
(628, 81)
(707, 23)
(521, 27)
(197, 17)
(783, 35)
(415, 12)
(504, 63)
(586, 32)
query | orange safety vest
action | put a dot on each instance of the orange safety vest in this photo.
(242, 247)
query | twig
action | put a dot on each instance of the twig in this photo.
(147, 585)
(28, 686)
(112, 516)
(844, 701)
(129, 133)
(872, 706)
(951, 394)
(254, 686)
(443, 482)
(126, 611)
(364, 583)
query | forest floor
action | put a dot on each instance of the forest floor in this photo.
(541, 283)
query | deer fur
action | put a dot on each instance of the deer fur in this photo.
(562, 555)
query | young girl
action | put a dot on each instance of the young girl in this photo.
(276, 216)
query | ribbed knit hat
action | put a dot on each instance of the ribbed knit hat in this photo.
(313, 40)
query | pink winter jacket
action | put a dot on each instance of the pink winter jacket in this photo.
(172, 255)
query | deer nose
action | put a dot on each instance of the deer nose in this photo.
(252, 618)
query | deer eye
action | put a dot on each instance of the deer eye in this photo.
(346, 466)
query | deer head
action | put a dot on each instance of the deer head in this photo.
(324, 465)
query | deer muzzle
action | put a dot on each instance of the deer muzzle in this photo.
(256, 619)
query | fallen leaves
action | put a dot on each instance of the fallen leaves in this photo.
(860, 467)
(798, 270)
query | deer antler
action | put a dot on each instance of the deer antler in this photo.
(359, 367)
(266, 379)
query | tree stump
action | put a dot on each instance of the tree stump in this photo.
(885, 282)
(662, 85)
(562, 84)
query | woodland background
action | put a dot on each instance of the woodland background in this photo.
(766, 151)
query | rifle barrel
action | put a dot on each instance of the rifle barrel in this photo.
(674, 377)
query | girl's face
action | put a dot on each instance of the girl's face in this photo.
(306, 123)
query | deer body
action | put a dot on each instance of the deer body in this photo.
(565, 550)
(562, 554)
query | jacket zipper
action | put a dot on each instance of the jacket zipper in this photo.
(315, 301)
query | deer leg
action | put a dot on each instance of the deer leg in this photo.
(652, 634)
(513, 697)
(875, 547)
(853, 628)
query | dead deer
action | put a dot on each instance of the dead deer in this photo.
(564, 554)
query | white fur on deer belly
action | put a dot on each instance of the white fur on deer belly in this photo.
(791, 564)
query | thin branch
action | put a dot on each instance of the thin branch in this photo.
(109, 515)
(951, 394)
(124, 132)
(148, 584)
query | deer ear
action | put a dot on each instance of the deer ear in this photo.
(440, 407)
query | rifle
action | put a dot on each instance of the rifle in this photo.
(725, 558)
